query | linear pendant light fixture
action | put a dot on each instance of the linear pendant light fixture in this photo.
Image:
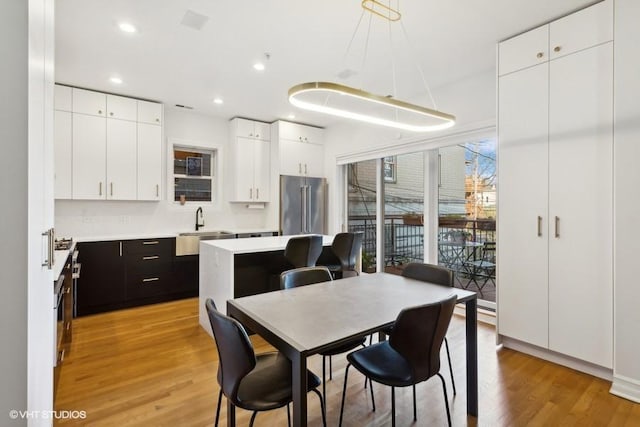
(356, 104)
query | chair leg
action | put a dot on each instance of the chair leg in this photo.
(446, 398)
(453, 382)
(373, 402)
(344, 392)
(253, 417)
(324, 376)
(288, 416)
(415, 411)
(322, 407)
(393, 407)
(218, 408)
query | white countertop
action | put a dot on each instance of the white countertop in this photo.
(59, 260)
(137, 236)
(256, 244)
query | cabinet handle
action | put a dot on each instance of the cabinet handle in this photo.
(300, 168)
(100, 191)
(150, 279)
(111, 113)
(99, 111)
(251, 193)
(250, 134)
(305, 169)
(111, 189)
(151, 242)
(158, 120)
(257, 135)
(257, 193)
(557, 227)
(157, 190)
(120, 248)
(147, 258)
(539, 226)
(540, 55)
(557, 49)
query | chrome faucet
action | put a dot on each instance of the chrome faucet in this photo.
(199, 219)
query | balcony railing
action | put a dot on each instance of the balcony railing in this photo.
(404, 243)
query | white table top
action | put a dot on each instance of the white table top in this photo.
(313, 316)
(256, 244)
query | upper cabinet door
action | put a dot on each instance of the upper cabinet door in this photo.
(62, 147)
(589, 27)
(62, 98)
(252, 129)
(89, 157)
(149, 161)
(89, 102)
(524, 51)
(149, 112)
(262, 131)
(119, 107)
(121, 160)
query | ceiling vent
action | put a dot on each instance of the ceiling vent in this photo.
(184, 106)
(194, 20)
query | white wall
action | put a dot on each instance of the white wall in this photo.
(626, 368)
(95, 219)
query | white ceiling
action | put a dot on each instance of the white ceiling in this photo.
(307, 41)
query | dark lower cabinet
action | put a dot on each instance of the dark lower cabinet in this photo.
(131, 273)
(101, 285)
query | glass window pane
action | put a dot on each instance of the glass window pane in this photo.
(404, 213)
(467, 215)
(193, 189)
(361, 188)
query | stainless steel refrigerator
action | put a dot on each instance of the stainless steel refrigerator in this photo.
(302, 205)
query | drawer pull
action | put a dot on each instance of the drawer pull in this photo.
(153, 242)
(76, 271)
(146, 258)
(150, 279)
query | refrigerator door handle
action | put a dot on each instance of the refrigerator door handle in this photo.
(303, 217)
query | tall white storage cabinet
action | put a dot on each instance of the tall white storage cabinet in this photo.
(301, 149)
(250, 161)
(555, 129)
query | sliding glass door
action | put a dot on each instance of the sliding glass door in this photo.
(361, 207)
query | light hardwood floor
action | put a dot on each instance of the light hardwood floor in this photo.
(155, 366)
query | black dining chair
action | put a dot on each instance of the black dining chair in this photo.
(303, 251)
(410, 356)
(255, 383)
(309, 276)
(437, 275)
(346, 248)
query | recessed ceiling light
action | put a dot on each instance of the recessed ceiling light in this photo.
(126, 27)
(116, 80)
(218, 101)
(291, 116)
(259, 66)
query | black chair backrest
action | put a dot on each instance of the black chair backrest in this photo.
(304, 276)
(303, 251)
(346, 247)
(418, 334)
(235, 351)
(429, 273)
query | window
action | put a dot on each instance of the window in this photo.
(193, 174)
(389, 169)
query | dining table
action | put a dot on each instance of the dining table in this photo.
(304, 321)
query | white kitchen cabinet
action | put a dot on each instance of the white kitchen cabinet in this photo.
(300, 148)
(120, 107)
(249, 173)
(89, 102)
(149, 112)
(121, 163)
(555, 131)
(89, 157)
(149, 161)
(108, 148)
(62, 98)
(251, 129)
(62, 148)
(523, 51)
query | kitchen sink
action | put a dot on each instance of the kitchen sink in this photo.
(189, 243)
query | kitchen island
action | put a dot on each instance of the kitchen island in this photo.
(236, 268)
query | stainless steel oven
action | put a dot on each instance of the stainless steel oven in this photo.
(58, 316)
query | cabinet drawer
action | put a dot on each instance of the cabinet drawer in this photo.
(136, 249)
(147, 265)
(148, 285)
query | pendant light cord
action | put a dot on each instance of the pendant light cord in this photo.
(414, 56)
